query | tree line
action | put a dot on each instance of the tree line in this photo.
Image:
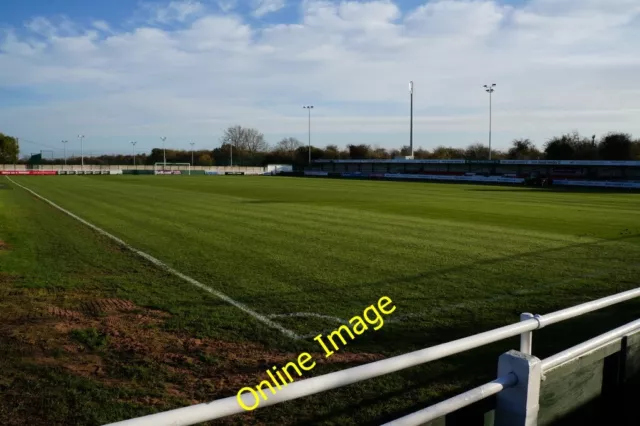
(9, 149)
(243, 146)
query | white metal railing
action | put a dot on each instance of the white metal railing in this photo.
(581, 349)
(457, 402)
(510, 380)
(227, 406)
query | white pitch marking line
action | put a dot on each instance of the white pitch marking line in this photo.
(167, 268)
(463, 305)
(310, 314)
(321, 316)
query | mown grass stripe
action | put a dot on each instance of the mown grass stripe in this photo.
(167, 268)
(303, 245)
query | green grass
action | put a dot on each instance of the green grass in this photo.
(91, 338)
(334, 247)
(455, 259)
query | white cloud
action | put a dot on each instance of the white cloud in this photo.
(559, 65)
(226, 5)
(174, 11)
(41, 26)
(458, 19)
(102, 26)
(264, 7)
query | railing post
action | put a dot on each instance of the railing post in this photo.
(526, 338)
(518, 405)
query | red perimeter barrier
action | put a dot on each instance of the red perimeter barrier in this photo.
(28, 172)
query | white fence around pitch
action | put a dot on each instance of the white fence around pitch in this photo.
(517, 386)
(96, 169)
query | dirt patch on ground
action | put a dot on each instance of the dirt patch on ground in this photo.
(63, 313)
(100, 306)
(121, 344)
(4, 246)
(6, 279)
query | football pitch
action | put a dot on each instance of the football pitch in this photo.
(258, 266)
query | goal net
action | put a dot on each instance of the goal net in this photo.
(171, 168)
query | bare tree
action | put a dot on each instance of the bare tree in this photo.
(288, 145)
(243, 138)
(255, 141)
(232, 136)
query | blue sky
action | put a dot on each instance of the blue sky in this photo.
(123, 70)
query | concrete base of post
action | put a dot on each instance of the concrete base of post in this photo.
(519, 405)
